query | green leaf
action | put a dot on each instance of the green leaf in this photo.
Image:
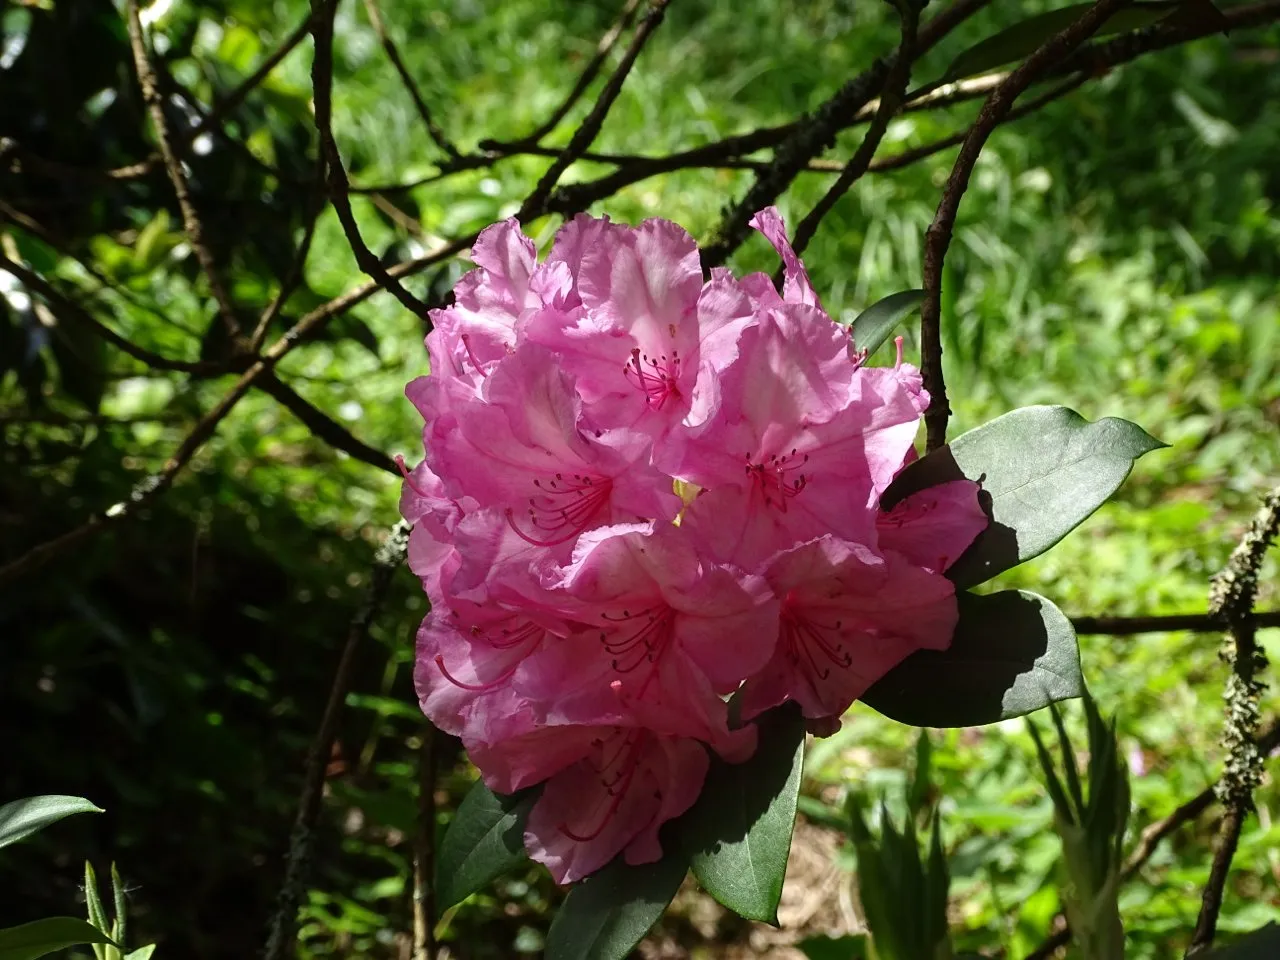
(608, 913)
(142, 953)
(1012, 652)
(921, 788)
(93, 906)
(154, 243)
(739, 831)
(822, 947)
(1043, 471)
(873, 325)
(1262, 944)
(1022, 39)
(484, 841)
(21, 818)
(42, 937)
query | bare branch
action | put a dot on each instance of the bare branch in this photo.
(817, 133)
(324, 426)
(38, 284)
(339, 187)
(151, 487)
(224, 105)
(1231, 598)
(173, 165)
(393, 54)
(535, 203)
(1196, 622)
(895, 85)
(907, 157)
(297, 271)
(424, 850)
(285, 919)
(938, 237)
(588, 74)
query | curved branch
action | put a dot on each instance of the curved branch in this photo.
(339, 187)
(536, 202)
(40, 285)
(1231, 598)
(588, 74)
(895, 86)
(173, 166)
(938, 236)
(393, 54)
(817, 133)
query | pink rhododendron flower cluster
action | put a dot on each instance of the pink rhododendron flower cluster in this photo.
(642, 493)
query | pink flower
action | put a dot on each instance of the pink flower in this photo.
(801, 444)
(644, 331)
(518, 445)
(644, 494)
(616, 798)
(933, 527)
(664, 635)
(848, 616)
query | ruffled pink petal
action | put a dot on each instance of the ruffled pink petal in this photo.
(796, 287)
(848, 617)
(933, 527)
(615, 799)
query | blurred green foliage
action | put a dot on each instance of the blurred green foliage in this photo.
(1117, 252)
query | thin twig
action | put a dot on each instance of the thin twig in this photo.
(896, 161)
(71, 309)
(895, 85)
(297, 271)
(393, 54)
(1151, 838)
(1231, 598)
(324, 426)
(582, 138)
(339, 187)
(191, 223)
(938, 237)
(285, 919)
(151, 487)
(424, 851)
(1196, 622)
(816, 134)
(589, 72)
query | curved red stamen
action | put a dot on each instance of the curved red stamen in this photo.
(658, 379)
(770, 477)
(477, 687)
(466, 345)
(407, 474)
(562, 508)
(808, 639)
(615, 784)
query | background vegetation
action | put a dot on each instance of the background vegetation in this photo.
(1117, 252)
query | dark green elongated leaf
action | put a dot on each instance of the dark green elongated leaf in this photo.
(1261, 944)
(739, 831)
(873, 325)
(1013, 652)
(484, 841)
(42, 937)
(920, 791)
(21, 818)
(1022, 39)
(1043, 471)
(608, 913)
